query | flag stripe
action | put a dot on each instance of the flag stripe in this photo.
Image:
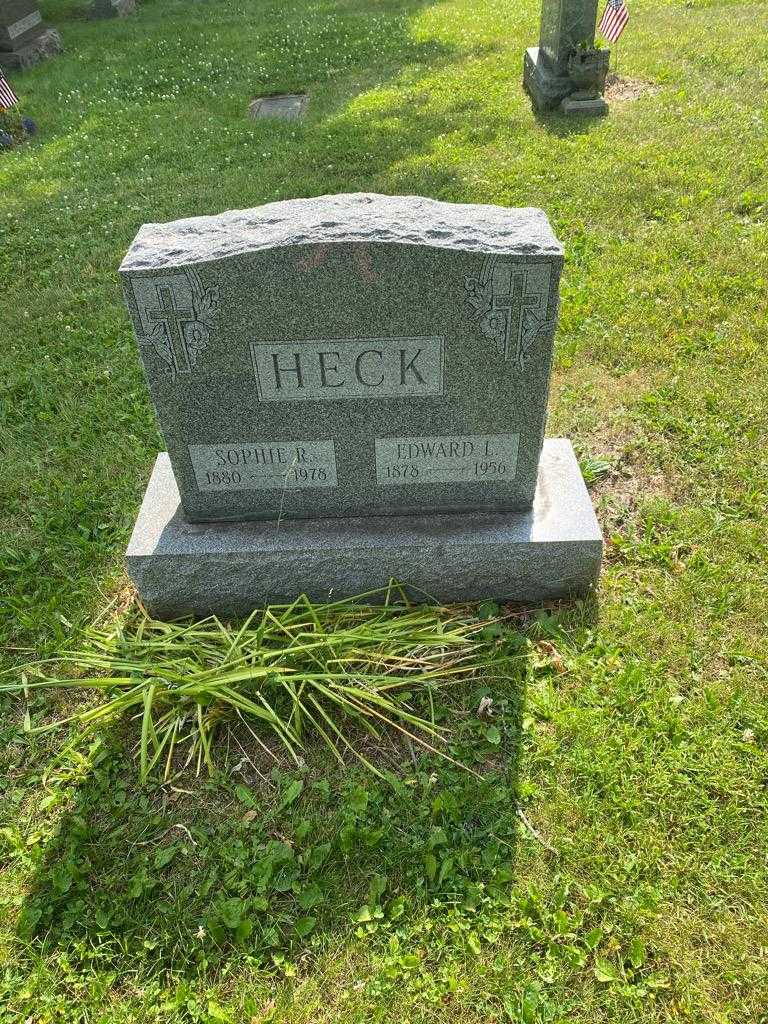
(612, 23)
(8, 97)
(611, 28)
(614, 19)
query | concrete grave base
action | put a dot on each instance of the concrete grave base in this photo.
(46, 44)
(552, 551)
(546, 87)
(596, 107)
(549, 89)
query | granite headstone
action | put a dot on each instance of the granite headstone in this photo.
(353, 388)
(25, 39)
(348, 355)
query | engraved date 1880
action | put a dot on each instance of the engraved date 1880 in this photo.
(264, 465)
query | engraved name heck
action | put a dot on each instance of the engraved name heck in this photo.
(362, 368)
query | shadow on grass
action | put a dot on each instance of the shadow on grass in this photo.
(266, 862)
(263, 861)
(563, 125)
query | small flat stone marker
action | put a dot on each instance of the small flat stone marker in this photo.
(289, 107)
(353, 388)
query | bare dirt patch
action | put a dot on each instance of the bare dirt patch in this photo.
(598, 410)
(619, 89)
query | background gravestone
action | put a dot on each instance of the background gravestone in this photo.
(25, 39)
(353, 388)
(551, 70)
(112, 8)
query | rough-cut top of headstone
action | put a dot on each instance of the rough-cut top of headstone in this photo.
(357, 217)
(349, 355)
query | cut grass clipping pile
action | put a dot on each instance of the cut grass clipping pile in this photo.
(342, 671)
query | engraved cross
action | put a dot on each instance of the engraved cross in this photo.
(513, 303)
(173, 318)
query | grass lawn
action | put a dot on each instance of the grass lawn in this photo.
(631, 732)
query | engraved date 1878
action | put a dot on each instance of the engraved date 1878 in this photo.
(433, 460)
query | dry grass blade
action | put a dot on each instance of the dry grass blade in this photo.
(287, 671)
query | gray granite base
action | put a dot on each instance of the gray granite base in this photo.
(552, 551)
(546, 87)
(46, 44)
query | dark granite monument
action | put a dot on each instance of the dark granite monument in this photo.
(25, 39)
(353, 388)
(567, 69)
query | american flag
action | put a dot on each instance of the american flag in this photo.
(8, 97)
(615, 17)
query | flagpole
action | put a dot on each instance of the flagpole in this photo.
(612, 24)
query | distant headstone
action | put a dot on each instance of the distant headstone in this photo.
(566, 68)
(353, 388)
(25, 39)
(112, 8)
(289, 108)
